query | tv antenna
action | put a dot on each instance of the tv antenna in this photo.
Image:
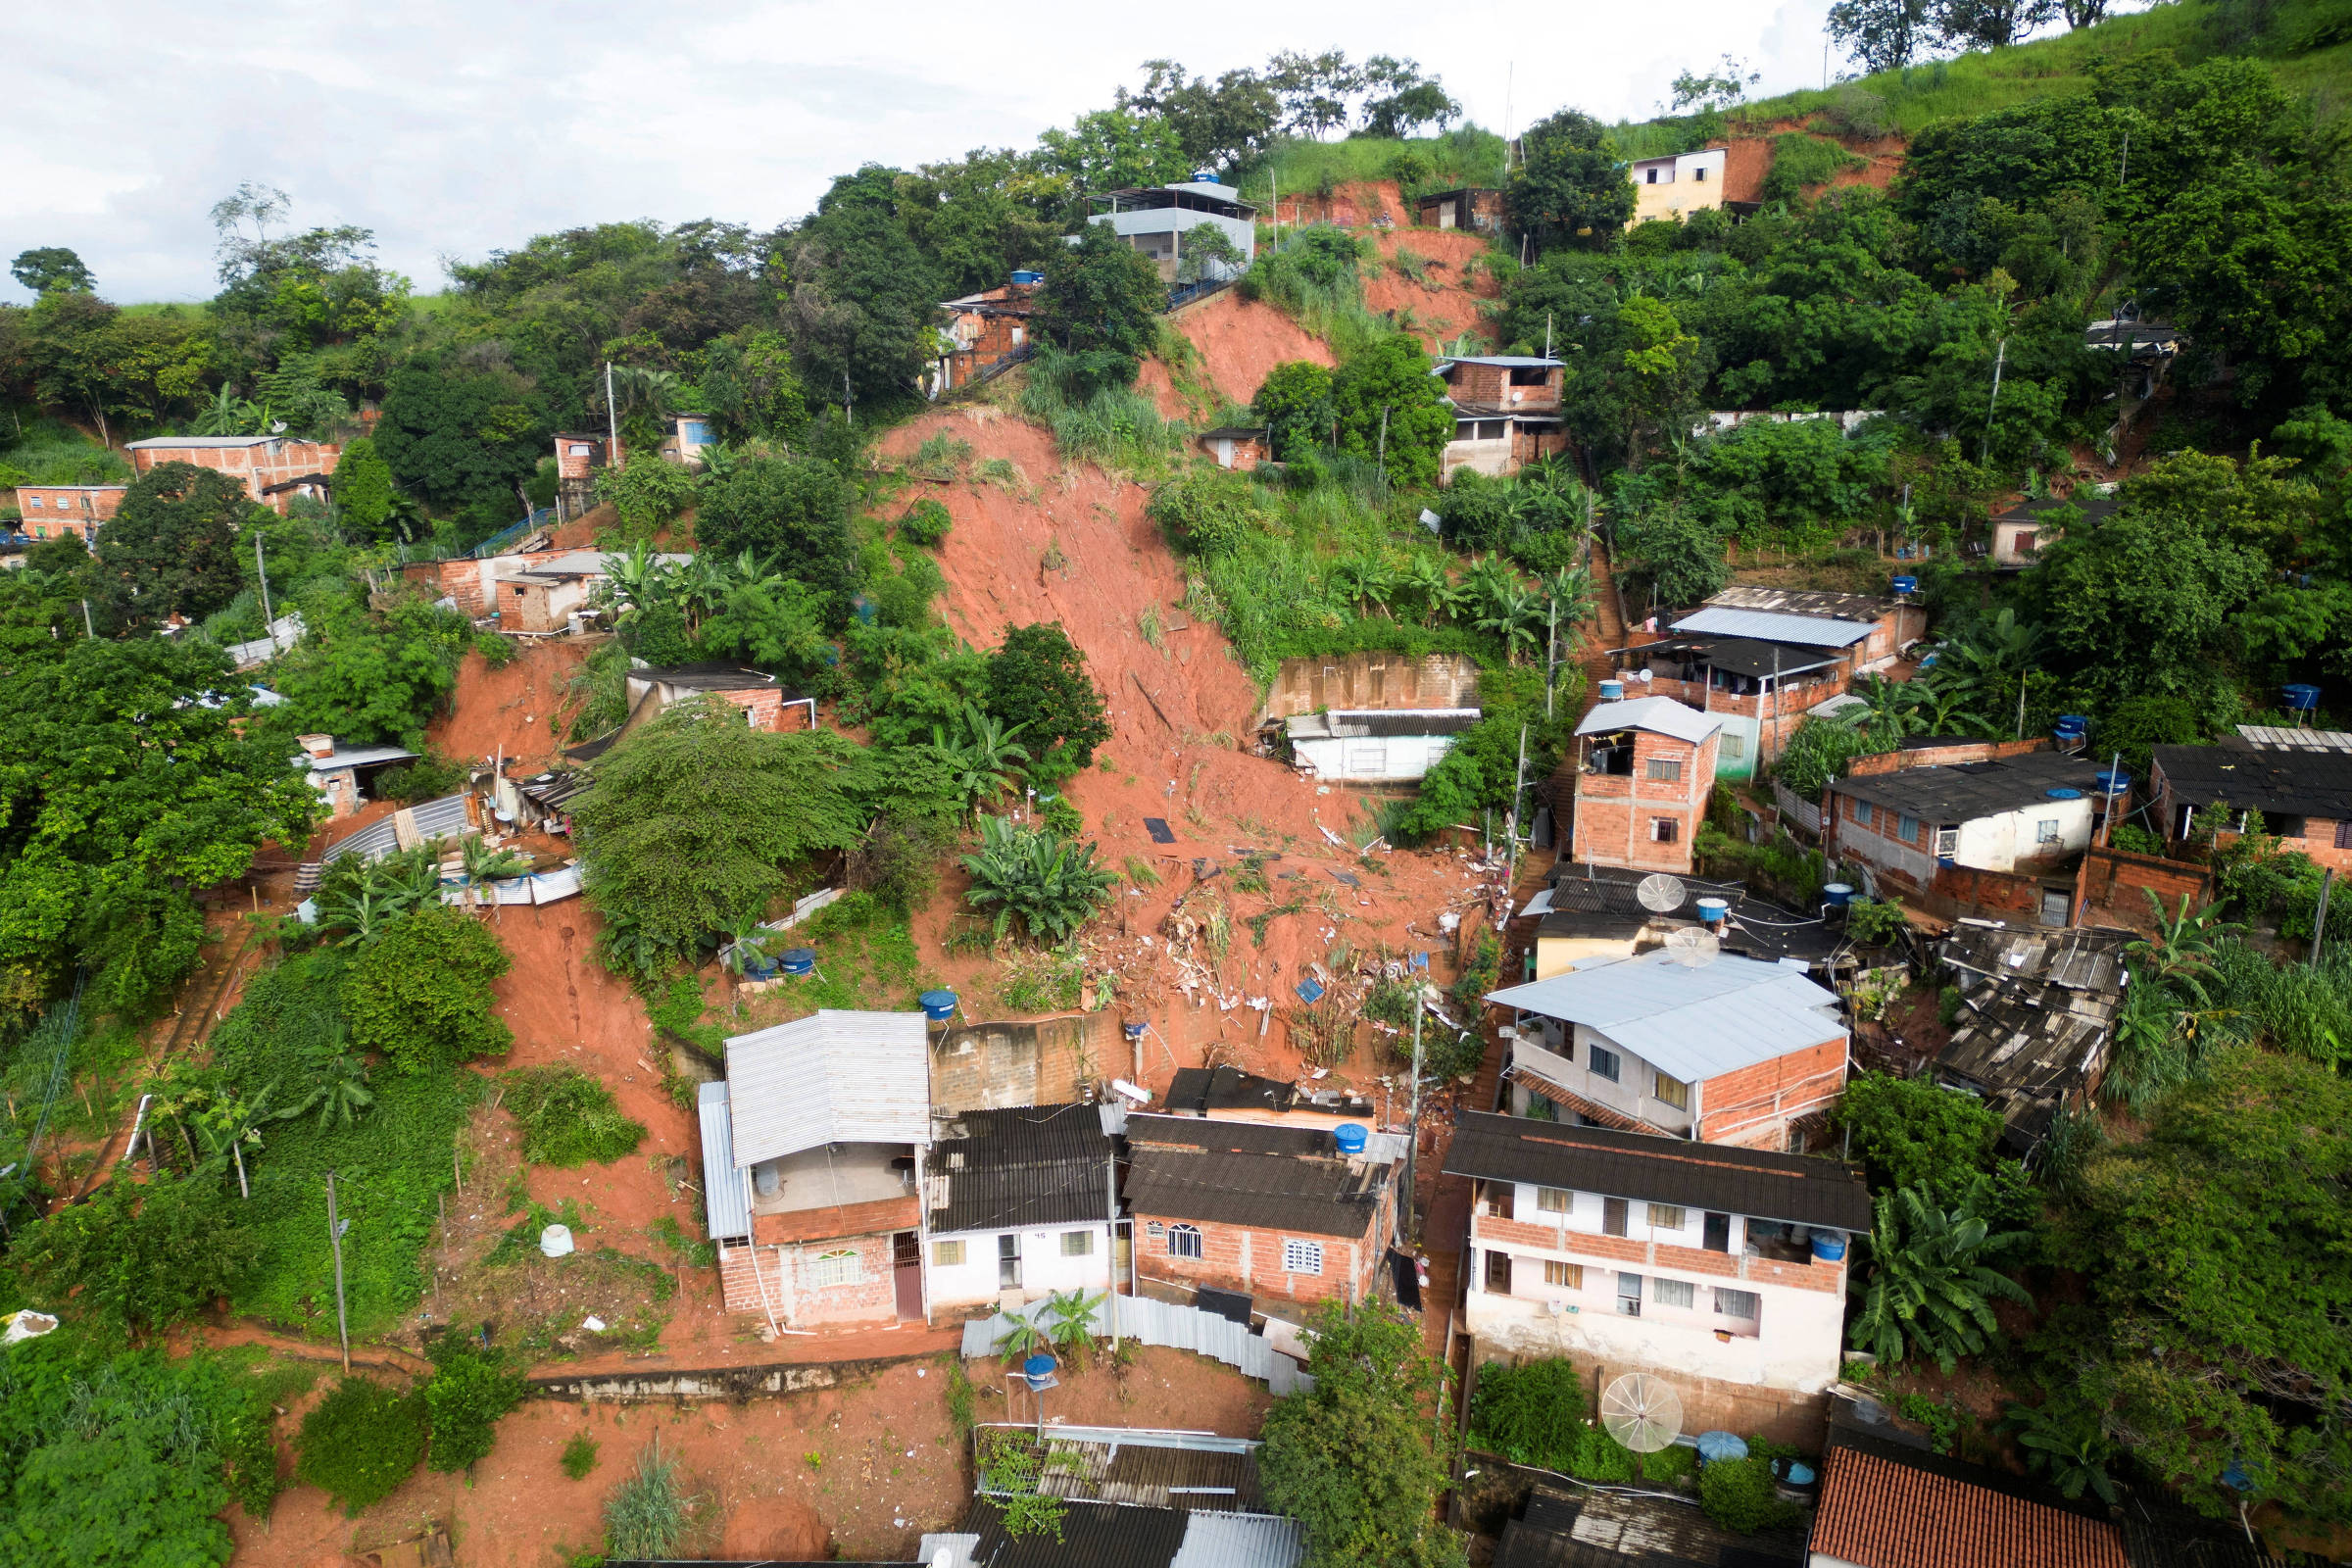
(1659, 893)
(1642, 1412)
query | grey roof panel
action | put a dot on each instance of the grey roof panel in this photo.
(726, 1193)
(1661, 715)
(1649, 1166)
(1241, 1173)
(1691, 1023)
(2291, 783)
(1240, 1540)
(998, 1170)
(1967, 791)
(1774, 626)
(840, 1077)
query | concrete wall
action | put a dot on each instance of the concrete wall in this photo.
(985, 1066)
(1044, 1266)
(1371, 681)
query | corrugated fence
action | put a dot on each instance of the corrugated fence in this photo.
(1155, 1322)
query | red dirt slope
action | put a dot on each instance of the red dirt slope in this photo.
(510, 706)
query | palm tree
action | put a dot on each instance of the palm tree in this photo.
(983, 756)
(2181, 951)
(1375, 583)
(1568, 595)
(1932, 1283)
(229, 414)
(1425, 578)
(1048, 884)
(338, 1084)
(633, 580)
(1985, 668)
(485, 865)
(1513, 615)
(1890, 709)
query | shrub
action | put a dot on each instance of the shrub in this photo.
(421, 993)
(249, 1458)
(651, 1516)
(1737, 1495)
(1670, 1466)
(470, 1389)
(1212, 511)
(1600, 1458)
(925, 524)
(360, 1443)
(1040, 880)
(142, 1257)
(1910, 1133)
(1530, 1414)
(579, 1456)
(568, 1118)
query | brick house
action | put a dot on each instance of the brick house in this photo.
(274, 468)
(1868, 633)
(577, 460)
(1732, 1051)
(2036, 1021)
(984, 331)
(1467, 207)
(1637, 1251)
(1018, 1203)
(1506, 412)
(532, 590)
(766, 705)
(1993, 829)
(1759, 690)
(53, 511)
(812, 1164)
(1645, 771)
(2299, 779)
(1235, 446)
(1277, 1212)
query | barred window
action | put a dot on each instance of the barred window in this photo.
(829, 1269)
(1675, 1292)
(1666, 1217)
(1665, 770)
(1741, 1304)
(1302, 1258)
(1553, 1199)
(1566, 1276)
(1184, 1240)
(1077, 1244)
(947, 1254)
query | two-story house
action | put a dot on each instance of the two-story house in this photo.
(812, 1165)
(1758, 689)
(1674, 186)
(274, 468)
(1295, 1213)
(984, 331)
(1732, 1051)
(53, 511)
(1643, 772)
(1630, 1250)
(1506, 412)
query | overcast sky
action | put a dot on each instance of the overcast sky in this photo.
(459, 129)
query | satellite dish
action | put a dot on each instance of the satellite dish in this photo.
(1692, 946)
(1642, 1412)
(1659, 893)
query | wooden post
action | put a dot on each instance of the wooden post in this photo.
(335, 1237)
(2318, 923)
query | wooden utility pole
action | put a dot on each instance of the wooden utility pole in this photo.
(2319, 922)
(1412, 1147)
(262, 571)
(335, 1237)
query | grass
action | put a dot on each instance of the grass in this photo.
(1117, 428)
(568, 1118)
(1465, 156)
(652, 1515)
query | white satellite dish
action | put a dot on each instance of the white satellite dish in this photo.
(1692, 946)
(1642, 1412)
(1659, 893)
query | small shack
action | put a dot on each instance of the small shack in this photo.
(1375, 745)
(1473, 206)
(341, 770)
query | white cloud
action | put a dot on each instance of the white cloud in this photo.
(455, 129)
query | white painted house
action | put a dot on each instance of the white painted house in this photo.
(1018, 1203)
(1638, 1252)
(1375, 745)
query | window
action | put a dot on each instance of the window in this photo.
(1906, 828)
(1664, 829)
(1184, 1240)
(1670, 1090)
(1741, 1304)
(1629, 1294)
(2027, 539)
(1499, 1273)
(1666, 1217)
(1665, 770)
(947, 1254)
(1653, 176)
(1699, 175)
(1612, 1217)
(1675, 1292)
(2045, 830)
(1077, 1244)
(1499, 1198)
(1564, 1276)
(1864, 812)
(1553, 1199)
(1717, 1233)
(37, 501)
(2343, 835)
(1733, 746)
(1155, 1229)
(580, 451)
(829, 1269)
(1009, 1262)
(1302, 1258)
(1603, 1063)
(1493, 430)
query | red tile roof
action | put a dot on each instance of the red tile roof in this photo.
(1878, 1513)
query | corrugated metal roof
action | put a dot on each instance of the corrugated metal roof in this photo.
(1965, 792)
(1240, 1540)
(2280, 738)
(1691, 1023)
(354, 757)
(435, 820)
(2077, 958)
(1774, 626)
(1663, 714)
(998, 1170)
(1795, 1188)
(727, 1191)
(1092, 1535)
(840, 1077)
(167, 443)
(1136, 1467)
(1241, 1173)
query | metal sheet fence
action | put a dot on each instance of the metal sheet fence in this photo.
(1155, 1322)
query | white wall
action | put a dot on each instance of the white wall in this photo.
(1044, 1268)
(1374, 757)
(1998, 843)
(1630, 1093)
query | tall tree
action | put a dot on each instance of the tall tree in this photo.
(792, 511)
(861, 294)
(1390, 409)
(1880, 34)
(1101, 303)
(1038, 679)
(171, 548)
(52, 270)
(1569, 187)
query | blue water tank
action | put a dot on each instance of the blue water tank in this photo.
(1713, 911)
(1828, 1247)
(2063, 794)
(2114, 781)
(1038, 1370)
(760, 968)
(798, 960)
(2072, 724)
(1027, 275)
(1905, 583)
(1612, 691)
(1837, 894)
(2301, 698)
(938, 1005)
(1134, 1031)
(1349, 1137)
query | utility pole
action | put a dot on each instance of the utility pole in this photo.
(1547, 334)
(1551, 650)
(612, 421)
(2319, 922)
(1412, 1147)
(87, 630)
(1999, 359)
(1384, 438)
(2021, 704)
(1518, 783)
(263, 573)
(335, 1237)
(2107, 827)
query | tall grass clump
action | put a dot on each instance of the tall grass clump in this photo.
(1467, 155)
(1115, 428)
(1316, 279)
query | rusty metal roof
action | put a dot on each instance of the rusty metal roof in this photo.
(2077, 958)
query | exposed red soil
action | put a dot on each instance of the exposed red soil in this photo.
(1351, 204)
(1240, 340)
(508, 707)
(1446, 306)
(1748, 159)
(866, 1468)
